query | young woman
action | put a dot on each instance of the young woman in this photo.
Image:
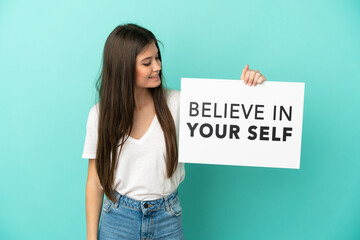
(131, 143)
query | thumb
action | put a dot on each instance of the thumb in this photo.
(244, 71)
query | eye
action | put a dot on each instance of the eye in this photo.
(147, 64)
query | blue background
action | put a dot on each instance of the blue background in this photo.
(50, 57)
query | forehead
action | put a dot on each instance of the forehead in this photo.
(148, 51)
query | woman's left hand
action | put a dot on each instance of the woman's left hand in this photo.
(252, 77)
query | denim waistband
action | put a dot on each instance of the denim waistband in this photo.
(142, 205)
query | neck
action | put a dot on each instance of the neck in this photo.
(142, 97)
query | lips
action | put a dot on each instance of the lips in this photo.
(155, 76)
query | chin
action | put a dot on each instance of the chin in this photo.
(155, 85)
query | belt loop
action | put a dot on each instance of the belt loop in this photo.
(118, 196)
(167, 203)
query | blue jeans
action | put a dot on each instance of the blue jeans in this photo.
(127, 218)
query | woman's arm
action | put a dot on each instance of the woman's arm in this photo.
(94, 200)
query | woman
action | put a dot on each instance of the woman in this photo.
(135, 123)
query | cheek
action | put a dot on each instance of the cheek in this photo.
(141, 77)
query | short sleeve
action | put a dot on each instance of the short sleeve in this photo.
(90, 145)
(173, 98)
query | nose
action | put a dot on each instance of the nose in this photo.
(157, 66)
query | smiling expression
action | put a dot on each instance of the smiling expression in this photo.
(148, 66)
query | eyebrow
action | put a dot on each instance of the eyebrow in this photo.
(149, 57)
(146, 58)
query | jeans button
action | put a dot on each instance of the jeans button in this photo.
(146, 205)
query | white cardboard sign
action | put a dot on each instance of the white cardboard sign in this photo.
(227, 122)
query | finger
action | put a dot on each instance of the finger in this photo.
(257, 76)
(255, 73)
(261, 79)
(251, 78)
(244, 71)
(247, 75)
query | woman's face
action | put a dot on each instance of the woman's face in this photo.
(148, 66)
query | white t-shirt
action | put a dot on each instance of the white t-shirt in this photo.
(141, 171)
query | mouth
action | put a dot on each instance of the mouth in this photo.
(154, 77)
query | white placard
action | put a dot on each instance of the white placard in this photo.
(228, 122)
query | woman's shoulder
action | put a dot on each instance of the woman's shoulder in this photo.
(172, 96)
(94, 112)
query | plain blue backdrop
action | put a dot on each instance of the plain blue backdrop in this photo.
(50, 57)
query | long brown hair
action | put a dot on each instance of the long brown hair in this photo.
(115, 87)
